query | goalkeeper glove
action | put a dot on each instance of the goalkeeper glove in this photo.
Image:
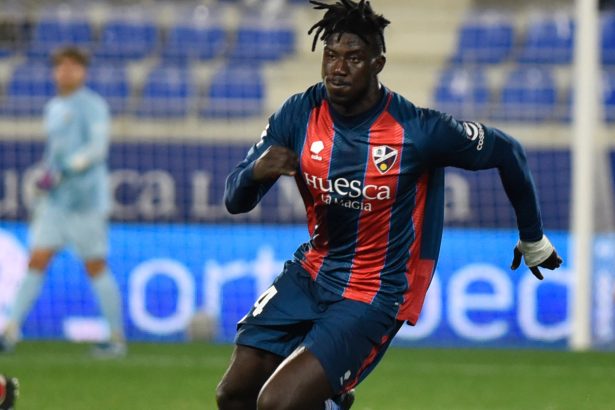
(540, 253)
(48, 179)
(9, 390)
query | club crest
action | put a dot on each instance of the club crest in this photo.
(384, 157)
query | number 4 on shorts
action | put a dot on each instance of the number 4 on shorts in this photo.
(263, 300)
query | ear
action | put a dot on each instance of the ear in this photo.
(378, 63)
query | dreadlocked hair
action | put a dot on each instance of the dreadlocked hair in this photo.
(346, 16)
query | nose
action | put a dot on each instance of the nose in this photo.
(340, 67)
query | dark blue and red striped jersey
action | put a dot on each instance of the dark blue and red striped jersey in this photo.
(373, 188)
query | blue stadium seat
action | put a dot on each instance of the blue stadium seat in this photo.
(131, 38)
(548, 40)
(111, 82)
(13, 25)
(27, 91)
(529, 94)
(199, 37)
(608, 38)
(235, 91)
(167, 93)
(462, 93)
(609, 96)
(52, 32)
(262, 39)
(486, 38)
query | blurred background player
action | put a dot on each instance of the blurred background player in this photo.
(74, 205)
(9, 391)
(369, 165)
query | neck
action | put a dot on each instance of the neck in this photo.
(362, 104)
(66, 91)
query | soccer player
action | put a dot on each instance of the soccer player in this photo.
(9, 391)
(73, 209)
(369, 165)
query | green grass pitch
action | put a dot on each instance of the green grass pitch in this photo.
(183, 376)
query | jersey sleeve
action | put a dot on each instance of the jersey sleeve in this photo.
(470, 145)
(97, 124)
(242, 193)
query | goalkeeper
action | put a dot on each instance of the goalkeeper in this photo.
(73, 208)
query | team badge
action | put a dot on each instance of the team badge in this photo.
(384, 157)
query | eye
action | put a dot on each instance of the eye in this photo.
(355, 59)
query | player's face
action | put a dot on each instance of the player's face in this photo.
(349, 68)
(68, 75)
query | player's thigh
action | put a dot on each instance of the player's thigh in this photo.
(47, 234)
(88, 234)
(349, 341)
(299, 383)
(247, 373)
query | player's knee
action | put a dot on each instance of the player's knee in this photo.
(272, 399)
(222, 396)
(39, 260)
(228, 397)
(95, 267)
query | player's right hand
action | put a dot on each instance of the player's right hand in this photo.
(536, 254)
(48, 180)
(274, 162)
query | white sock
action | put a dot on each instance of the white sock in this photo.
(331, 405)
(27, 294)
(108, 295)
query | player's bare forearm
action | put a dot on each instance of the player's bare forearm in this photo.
(252, 178)
(275, 162)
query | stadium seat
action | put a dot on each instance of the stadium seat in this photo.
(111, 82)
(198, 37)
(12, 31)
(27, 91)
(609, 96)
(167, 93)
(484, 38)
(129, 37)
(262, 39)
(548, 40)
(608, 38)
(52, 32)
(462, 93)
(529, 94)
(235, 91)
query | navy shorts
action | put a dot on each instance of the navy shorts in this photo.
(348, 337)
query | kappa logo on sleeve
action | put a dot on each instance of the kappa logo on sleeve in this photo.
(474, 131)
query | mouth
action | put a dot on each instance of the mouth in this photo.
(337, 84)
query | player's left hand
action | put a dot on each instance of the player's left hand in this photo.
(536, 254)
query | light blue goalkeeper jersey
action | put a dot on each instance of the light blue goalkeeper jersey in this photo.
(77, 128)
